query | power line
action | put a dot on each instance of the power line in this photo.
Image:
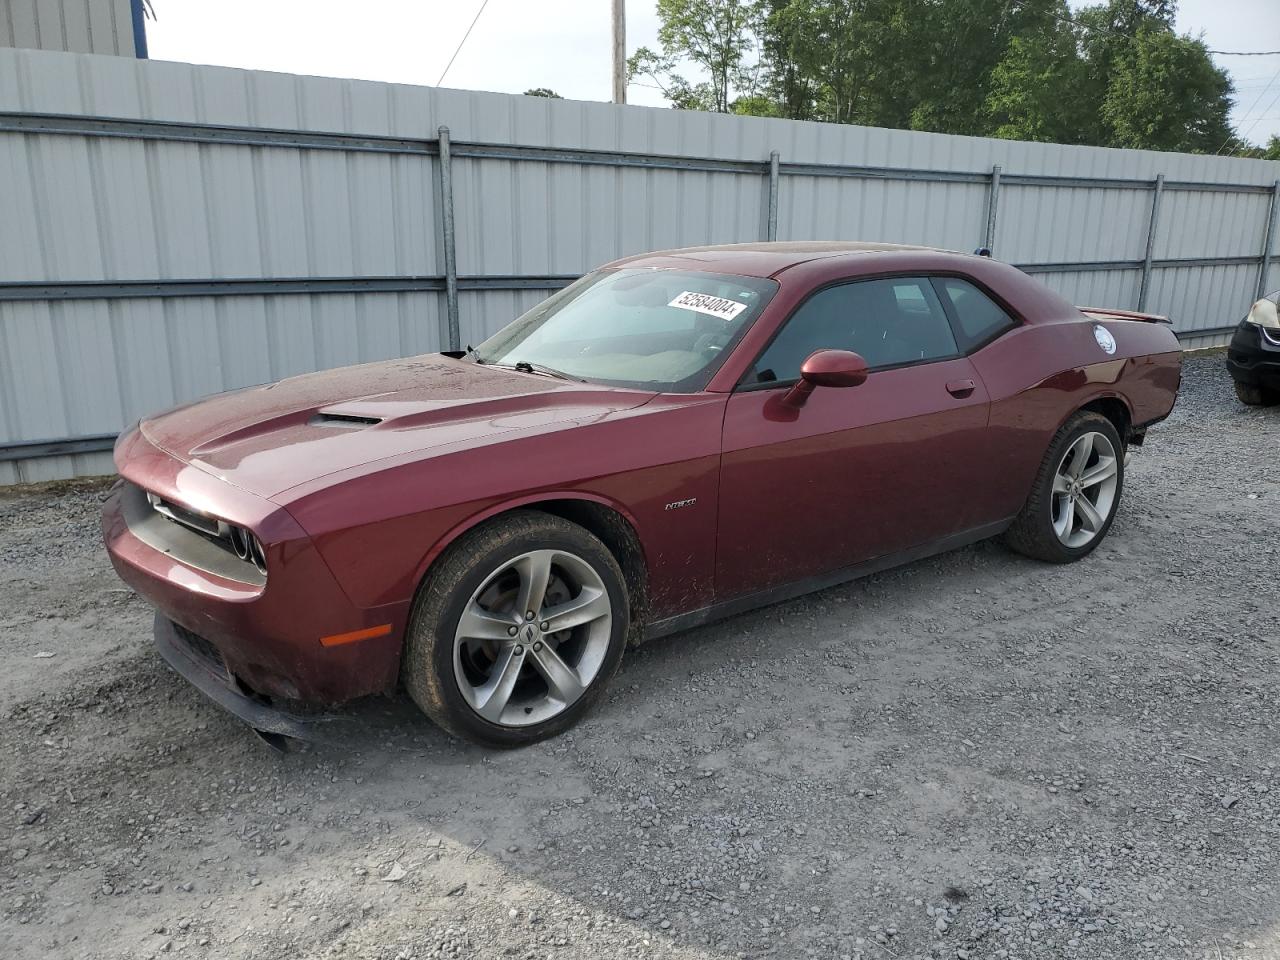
(1246, 53)
(1239, 135)
(483, 4)
(1256, 121)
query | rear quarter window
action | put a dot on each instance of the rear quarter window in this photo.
(978, 318)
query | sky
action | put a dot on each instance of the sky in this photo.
(563, 44)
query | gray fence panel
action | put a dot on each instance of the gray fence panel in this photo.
(111, 209)
(1046, 224)
(939, 214)
(1221, 294)
(1092, 289)
(88, 367)
(173, 230)
(80, 26)
(1230, 224)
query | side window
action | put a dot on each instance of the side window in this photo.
(980, 318)
(889, 322)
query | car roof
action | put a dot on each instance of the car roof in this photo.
(764, 259)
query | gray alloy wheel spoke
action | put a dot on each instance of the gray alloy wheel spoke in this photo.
(493, 696)
(1090, 518)
(1085, 491)
(519, 671)
(535, 572)
(1104, 469)
(587, 606)
(561, 678)
(1083, 449)
(478, 623)
(1066, 517)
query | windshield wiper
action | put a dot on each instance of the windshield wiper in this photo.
(524, 366)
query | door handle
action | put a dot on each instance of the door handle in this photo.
(960, 388)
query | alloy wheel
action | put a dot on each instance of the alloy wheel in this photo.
(1084, 489)
(532, 638)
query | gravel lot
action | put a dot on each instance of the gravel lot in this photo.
(973, 756)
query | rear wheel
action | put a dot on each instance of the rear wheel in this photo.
(1076, 492)
(517, 630)
(1253, 395)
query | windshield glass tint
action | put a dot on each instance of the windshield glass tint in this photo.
(662, 330)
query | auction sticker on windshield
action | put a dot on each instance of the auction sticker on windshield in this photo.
(705, 303)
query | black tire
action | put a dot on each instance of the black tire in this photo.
(1253, 395)
(1032, 532)
(427, 665)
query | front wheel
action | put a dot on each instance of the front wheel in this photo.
(1253, 395)
(517, 630)
(1076, 492)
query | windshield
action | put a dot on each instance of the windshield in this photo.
(665, 330)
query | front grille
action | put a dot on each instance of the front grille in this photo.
(202, 649)
(187, 517)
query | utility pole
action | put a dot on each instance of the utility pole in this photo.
(619, 51)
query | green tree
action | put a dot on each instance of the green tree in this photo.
(957, 47)
(788, 84)
(1041, 88)
(1241, 148)
(824, 72)
(714, 35)
(1166, 94)
(1113, 74)
(543, 92)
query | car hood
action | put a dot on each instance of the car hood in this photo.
(268, 439)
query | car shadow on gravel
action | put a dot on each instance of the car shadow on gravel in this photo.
(938, 757)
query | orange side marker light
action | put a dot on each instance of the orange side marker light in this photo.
(367, 634)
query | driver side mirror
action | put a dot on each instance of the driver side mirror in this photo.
(827, 368)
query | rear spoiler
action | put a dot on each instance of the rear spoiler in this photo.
(1104, 313)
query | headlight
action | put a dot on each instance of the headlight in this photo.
(1265, 313)
(248, 547)
(243, 543)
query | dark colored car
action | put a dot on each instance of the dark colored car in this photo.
(1253, 356)
(673, 438)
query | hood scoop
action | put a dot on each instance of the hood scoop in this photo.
(345, 421)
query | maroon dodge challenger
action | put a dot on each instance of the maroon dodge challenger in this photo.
(673, 438)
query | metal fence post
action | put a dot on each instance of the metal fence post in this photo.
(773, 197)
(1145, 288)
(993, 199)
(449, 237)
(1268, 240)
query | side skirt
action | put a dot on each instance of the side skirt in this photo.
(798, 588)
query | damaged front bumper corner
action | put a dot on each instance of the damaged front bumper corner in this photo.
(204, 670)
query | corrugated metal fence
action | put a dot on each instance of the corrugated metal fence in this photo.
(81, 26)
(170, 231)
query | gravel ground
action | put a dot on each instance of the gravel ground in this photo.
(973, 756)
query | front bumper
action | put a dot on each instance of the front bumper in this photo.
(1252, 359)
(267, 634)
(205, 669)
